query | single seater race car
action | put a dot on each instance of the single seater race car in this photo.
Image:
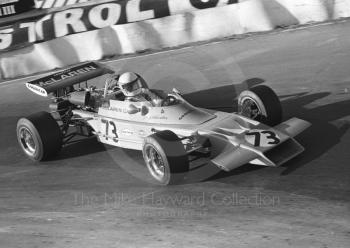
(166, 134)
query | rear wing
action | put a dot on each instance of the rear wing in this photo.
(66, 78)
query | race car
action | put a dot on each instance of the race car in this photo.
(167, 134)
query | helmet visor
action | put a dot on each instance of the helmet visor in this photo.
(132, 86)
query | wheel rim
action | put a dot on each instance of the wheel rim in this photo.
(250, 109)
(154, 162)
(27, 141)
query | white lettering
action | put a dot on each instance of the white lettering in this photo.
(31, 30)
(59, 3)
(12, 9)
(39, 3)
(177, 8)
(8, 10)
(69, 2)
(90, 68)
(4, 10)
(134, 14)
(73, 73)
(36, 89)
(8, 1)
(48, 4)
(70, 17)
(69, 74)
(63, 77)
(6, 38)
(83, 70)
(113, 14)
(39, 27)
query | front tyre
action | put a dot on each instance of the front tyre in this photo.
(39, 136)
(165, 157)
(261, 103)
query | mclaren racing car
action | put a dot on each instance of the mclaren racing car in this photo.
(167, 134)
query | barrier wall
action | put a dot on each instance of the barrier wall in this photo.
(181, 28)
(95, 15)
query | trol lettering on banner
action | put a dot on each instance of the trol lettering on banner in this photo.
(96, 16)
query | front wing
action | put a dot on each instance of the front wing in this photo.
(234, 156)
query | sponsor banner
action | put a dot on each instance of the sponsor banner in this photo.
(95, 16)
(13, 7)
(171, 31)
(114, 40)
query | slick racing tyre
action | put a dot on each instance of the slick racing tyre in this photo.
(261, 103)
(165, 157)
(39, 136)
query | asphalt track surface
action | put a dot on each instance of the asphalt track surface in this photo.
(96, 196)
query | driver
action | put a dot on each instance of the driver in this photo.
(135, 89)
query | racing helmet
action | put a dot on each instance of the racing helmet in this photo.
(130, 84)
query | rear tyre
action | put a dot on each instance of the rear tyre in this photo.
(39, 136)
(261, 103)
(165, 157)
